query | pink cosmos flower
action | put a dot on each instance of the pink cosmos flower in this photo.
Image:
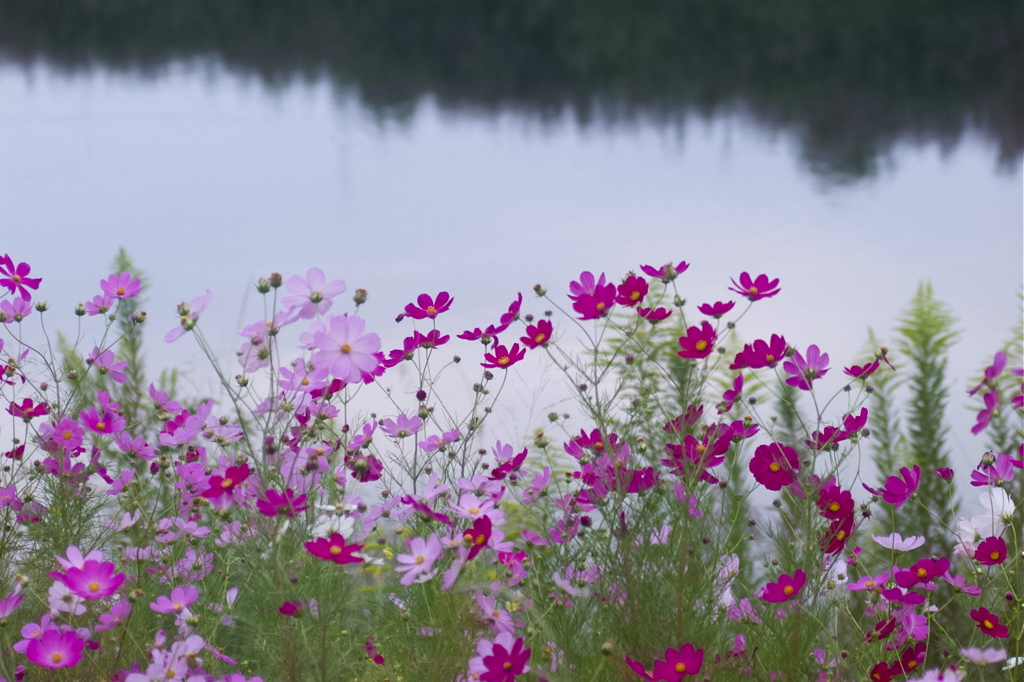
(107, 421)
(121, 286)
(774, 465)
(438, 442)
(401, 426)
(988, 623)
(105, 363)
(118, 614)
(99, 305)
(180, 599)
(632, 291)
(991, 400)
(698, 342)
(997, 471)
(666, 273)
(281, 504)
(805, 371)
(372, 653)
(717, 309)
(755, 289)
(984, 656)
(538, 334)
(344, 350)
(94, 580)
(992, 372)
(861, 371)
(55, 649)
(15, 310)
(785, 588)
(418, 563)
(27, 409)
(899, 490)
(896, 543)
(67, 434)
(501, 357)
(16, 279)
(427, 307)
(9, 605)
(334, 549)
(313, 294)
(188, 316)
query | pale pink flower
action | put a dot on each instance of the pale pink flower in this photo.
(344, 350)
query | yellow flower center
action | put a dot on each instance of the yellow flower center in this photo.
(120, 291)
(770, 357)
(680, 667)
(635, 296)
(56, 656)
(67, 435)
(774, 466)
(504, 360)
(420, 559)
(921, 573)
(94, 586)
(100, 426)
(788, 589)
(480, 539)
(335, 550)
(177, 606)
(869, 584)
(701, 345)
(994, 556)
(834, 507)
(752, 291)
(988, 625)
(431, 310)
(345, 348)
(474, 510)
(226, 483)
(600, 307)
(539, 338)
(506, 665)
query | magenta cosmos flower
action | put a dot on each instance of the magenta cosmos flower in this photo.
(991, 551)
(417, 564)
(501, 357)
(281, 504)
(94, 579)
(774, 465)
(785, 588)
(226, 484)
(121, 286)
(803, 370)
(698, 342)
(16, 279)
(55, 649)
(716, 310)
(591, 299)
(988, 623)
(312, 294)
(755, 289)
(761, 353)
(666, 273)
(500, 660)
(632, 291)
(344, 350)
(538, 334)
(898, 490)
(426, 306)
(334, 549)
(678, 663)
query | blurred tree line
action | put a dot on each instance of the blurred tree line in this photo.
(848, 79)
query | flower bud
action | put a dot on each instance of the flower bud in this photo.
(42, 306)
(360, 296)
(263, 285)
(539, 290)
(80, 310)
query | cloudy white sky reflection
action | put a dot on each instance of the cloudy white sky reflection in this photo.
(210, 182)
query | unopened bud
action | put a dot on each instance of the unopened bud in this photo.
(360, 296)
(263, 285)
(275, 280)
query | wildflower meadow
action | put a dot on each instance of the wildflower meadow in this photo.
(718, 515)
